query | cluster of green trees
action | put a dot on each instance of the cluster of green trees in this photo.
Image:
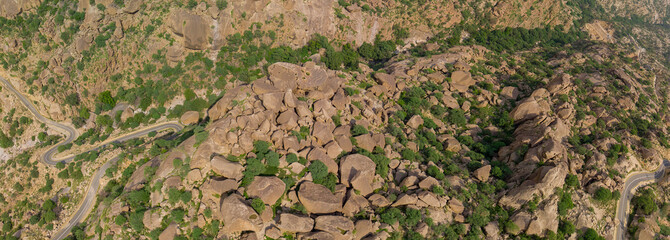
(381, 50)
(46, 214)
(644, 202)
(72, 171)
(604, 195)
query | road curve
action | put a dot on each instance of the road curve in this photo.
(632, 182)
(71, 134)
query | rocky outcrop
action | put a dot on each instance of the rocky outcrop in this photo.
(189, 117)
(319, 199)
(335, 225)
(295, 224)
(461, 81)
(268, 189)
(9, 8)
(483, 173)
(358, 171)
(238, 216)
(531, 107)
(192, 27)
(227, 168)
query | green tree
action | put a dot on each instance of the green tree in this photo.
(591, 234)
(258, 205)
(221, 4)
(565, 202)
(5, 141)
(104, 121)
(189, 94)
(107, 100)
(644, 201)
(571, 181)
(135, 221)
(603, 194)
(72, 99)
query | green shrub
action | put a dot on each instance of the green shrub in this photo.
(291, 158)
(135, 221)
(258, 205)
(320, 175)
(358, 130)
(221, 4)
(391, 216)
(590, 234)
(644, 201)
(571, 181)
(603, 194)
(435, 172)
(120, 220)
(565, 202)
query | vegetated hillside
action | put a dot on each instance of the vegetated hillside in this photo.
(69, 52)
(470, 142)
(337, 119)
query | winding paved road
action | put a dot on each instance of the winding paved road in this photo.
(71, 134)
(632, 182)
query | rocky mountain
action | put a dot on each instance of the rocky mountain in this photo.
(349, 119)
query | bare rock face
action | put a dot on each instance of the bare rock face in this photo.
(318, 199)
(295, 224)
(386, 80)
(268, 189)
(366, 142)
(406, 199)
(132, 6)
(521, 220)
(415, 121)
(510, 92)
(317, 78)
(189, 117)
(335, 225)
(450, 102)
(323, 132)
(428, 183)
(152, 219)
(284, 75)
(221, 107)
(358, 171)
(545, 218)
(378, 200)
(354, 205)
(169, 233)
(456, 206)
(238, 216)
(192, 27)
(83, 43)
(174, 53)
(9, 8)
(272, 101)
(483, 173)
(560, 84)
(492, 230)
(531, 107)
(227, 168)
(461, 81)
(541, 182)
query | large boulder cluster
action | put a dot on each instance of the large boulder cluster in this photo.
(277, 110)
(333, 164)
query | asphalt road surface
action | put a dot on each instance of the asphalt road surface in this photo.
(71, 134)
(632, 182)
